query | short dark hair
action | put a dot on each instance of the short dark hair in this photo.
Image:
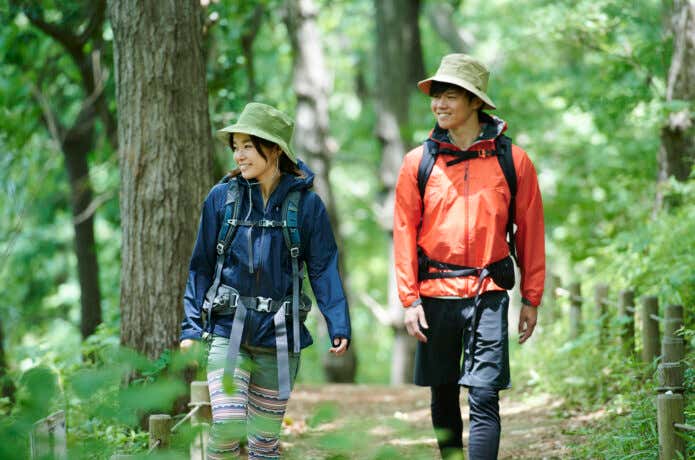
(439, 87)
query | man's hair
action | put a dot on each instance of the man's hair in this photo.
(438, 87)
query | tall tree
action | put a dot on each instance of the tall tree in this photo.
(311, 85)
(80, 34)
(165, 152)
(399, 66)
(441, 17)
(7, 388)
(677, 151)
(248, 36)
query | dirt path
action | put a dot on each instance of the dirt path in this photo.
(380, 422)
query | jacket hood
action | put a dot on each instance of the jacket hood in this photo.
(492, 128)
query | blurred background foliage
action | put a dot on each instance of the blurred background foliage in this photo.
(581, 84)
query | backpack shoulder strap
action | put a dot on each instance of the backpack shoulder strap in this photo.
(229, 226)
(504, 156)
(429, 156)
(290, 215)
(231, 216)
(506, 161)
(290, 230)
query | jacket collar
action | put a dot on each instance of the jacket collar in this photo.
(492, 128)
(287, 184)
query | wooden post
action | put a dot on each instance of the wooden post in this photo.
(650, 329)
(626, 317)
(669, 410)
(47, 438)
(575, 310)
(672, 346)
(550, 305)
(600, 295)
(160, 426)
(557, 305)
(669, 405)
(200, 394)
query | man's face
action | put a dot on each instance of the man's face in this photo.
(452, 108)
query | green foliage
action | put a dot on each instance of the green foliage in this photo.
(104, 413)
(581, 84)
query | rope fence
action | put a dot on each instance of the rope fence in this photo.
(669, 350)
(161, 429)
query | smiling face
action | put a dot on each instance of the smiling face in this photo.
(453, 108)
(252, 163)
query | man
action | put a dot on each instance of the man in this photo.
(454, 210)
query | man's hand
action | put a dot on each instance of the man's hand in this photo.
(527, 322)
(339, 346)
(414, 321)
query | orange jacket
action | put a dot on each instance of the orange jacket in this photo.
(464, 220)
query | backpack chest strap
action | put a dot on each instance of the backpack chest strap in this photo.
(265, 223)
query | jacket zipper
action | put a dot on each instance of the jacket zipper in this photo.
(262, 243)
(466, 194)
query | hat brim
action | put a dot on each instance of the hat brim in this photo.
(425, 85)
(225, 133)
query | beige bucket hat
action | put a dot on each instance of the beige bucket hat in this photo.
(266, 122)
(464, 71)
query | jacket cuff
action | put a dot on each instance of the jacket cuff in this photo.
(528, 303)
(415, 303)
(341, 334)
(192, 335)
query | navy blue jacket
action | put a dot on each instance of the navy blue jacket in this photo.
(271, 270)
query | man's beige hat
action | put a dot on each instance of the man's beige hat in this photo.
(464, 71)
(266, 122)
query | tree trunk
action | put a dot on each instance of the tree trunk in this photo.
(7, 388)
(441, 17)
(165, 153)
(248, 36)
(77, 142)
(312, 84)
(83, 223)
(677, 151)
(399, 67)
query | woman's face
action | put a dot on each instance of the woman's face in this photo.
(250, 161)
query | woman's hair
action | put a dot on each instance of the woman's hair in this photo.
(285, 164)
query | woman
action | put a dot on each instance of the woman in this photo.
(258, 227)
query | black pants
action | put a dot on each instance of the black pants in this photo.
(484, 437)
(484, 370)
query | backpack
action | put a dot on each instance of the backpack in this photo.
(503, 152)
(290, 231)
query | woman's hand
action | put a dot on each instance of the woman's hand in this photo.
(339, 346)
(186, 344)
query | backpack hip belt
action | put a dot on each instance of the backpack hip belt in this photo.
(501, 272)
(228, 298)
(229, 302)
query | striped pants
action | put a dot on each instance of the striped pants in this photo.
(247, 406)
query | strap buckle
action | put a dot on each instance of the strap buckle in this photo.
(220, 248)
(263, 304)
(294, 251)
